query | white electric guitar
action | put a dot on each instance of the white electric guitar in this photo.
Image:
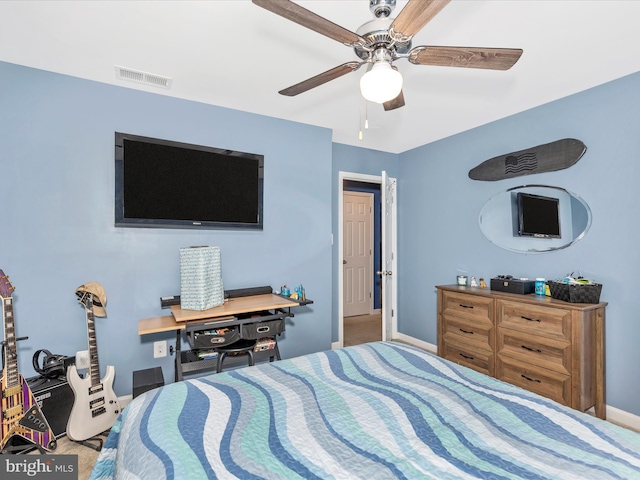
(95, 407)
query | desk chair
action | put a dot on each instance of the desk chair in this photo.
(241, 347)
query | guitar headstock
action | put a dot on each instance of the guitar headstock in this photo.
(6, 289)
(85, 299)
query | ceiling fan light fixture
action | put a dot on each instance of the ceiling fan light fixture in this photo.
(381, 83)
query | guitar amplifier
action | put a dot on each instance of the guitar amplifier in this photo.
(55, 398)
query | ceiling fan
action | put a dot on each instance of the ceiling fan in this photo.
(379, 42)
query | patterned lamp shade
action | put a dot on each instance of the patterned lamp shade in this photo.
(200, 278)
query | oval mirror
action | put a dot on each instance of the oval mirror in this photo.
(524, 219)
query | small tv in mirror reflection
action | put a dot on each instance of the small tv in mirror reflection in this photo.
(538, 216)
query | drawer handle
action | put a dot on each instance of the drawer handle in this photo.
(465, 306)
(262, 329)
(466, 356)
(530, 319)
(537, 350)
(465, 331)
(530, 379)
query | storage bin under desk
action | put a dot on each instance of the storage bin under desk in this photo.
(263, 324)
(219, 333)
(208, 335)
(212, 334)
(190, 362)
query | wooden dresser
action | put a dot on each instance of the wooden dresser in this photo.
(547, 346)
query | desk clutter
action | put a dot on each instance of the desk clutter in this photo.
(575, 290)
(568, 289)
(297, 294)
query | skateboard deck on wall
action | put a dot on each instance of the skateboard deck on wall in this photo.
(549, 157)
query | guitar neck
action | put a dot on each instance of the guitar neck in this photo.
(10, 351)
(94, 365)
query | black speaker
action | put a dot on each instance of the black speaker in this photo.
(55, 398)
(144, 380)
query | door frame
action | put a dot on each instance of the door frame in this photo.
(374, 179)
(370, 234)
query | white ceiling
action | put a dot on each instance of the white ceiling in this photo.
(237, 55)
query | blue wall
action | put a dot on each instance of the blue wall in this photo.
(439, 207)
(56, 154)
(57, 183)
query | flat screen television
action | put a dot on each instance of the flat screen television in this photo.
(166, 184)
(538, 216)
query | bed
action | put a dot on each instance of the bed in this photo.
(378, 410)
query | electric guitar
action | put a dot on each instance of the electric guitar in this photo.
(20, 416)
(95, 407)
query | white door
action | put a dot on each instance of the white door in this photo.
(388, 272)
(357, 261)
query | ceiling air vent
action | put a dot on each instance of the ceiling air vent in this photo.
(142, 77)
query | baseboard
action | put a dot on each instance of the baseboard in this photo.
(622, 418)
(429, 347)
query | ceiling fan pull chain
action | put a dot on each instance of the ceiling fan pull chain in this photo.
(366, 114)
(360, 120)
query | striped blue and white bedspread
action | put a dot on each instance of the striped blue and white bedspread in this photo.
(379, 410)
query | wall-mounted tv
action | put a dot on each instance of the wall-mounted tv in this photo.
(538, 216)
(167, 184)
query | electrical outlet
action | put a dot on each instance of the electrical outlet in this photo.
(160, 349)
(82, 359)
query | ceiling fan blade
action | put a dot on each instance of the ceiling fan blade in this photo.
(467, 57)
(306, 18)
(395, 103)
(320, 79)
(415, 15)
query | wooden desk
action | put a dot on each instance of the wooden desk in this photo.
(231, 307)
(235, 306)
(218, 317)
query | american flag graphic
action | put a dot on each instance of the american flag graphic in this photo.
(521, 163)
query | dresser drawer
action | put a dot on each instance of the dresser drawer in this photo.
(468, 355)
(477, 331)
(547, 383)
(544, 352)
(469, 306)
(535, 319)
